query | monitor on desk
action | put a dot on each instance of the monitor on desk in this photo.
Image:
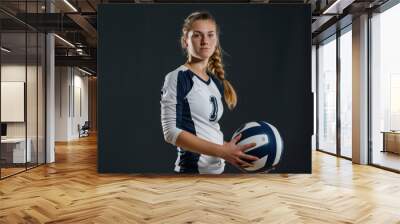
(3, 130)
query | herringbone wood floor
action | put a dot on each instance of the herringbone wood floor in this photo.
(71, 191)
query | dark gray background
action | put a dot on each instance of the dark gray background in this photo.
(268, 61)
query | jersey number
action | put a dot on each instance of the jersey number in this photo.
(214, 111)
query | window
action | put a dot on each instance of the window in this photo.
(327, 95)
(385, 88)
(346, 93)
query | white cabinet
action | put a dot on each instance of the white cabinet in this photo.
(19, 154)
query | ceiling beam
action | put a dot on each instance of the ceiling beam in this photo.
(86, 26)
(83, 61)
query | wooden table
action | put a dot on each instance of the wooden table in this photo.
(391, 141)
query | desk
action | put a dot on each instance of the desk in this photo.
(391, 141)
(15, 148)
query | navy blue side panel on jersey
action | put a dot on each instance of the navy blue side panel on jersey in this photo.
(184, 119)
(188, 160)
(218, 84)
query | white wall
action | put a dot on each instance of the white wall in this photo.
(61, 103)
(16, 72)
(71, 102)
(33, 127)
(80, 112)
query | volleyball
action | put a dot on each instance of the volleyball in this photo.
(269, 145)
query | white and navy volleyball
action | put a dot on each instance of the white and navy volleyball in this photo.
(269, 144)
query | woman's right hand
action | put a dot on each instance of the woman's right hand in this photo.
(235, 155)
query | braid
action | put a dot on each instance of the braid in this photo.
(216, 67)
(215, 64)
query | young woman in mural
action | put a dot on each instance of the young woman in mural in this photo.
(191, 103)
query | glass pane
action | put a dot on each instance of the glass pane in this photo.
(327, 96)
(346, 94)
(31, 101)
(386, 88)
(314, 82)
(13, 86)
(41, 98)
(23, 84)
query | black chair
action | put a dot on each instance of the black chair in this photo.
(84, 130)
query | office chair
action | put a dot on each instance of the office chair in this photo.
(84, 130)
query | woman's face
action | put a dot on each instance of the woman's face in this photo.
(202, 39)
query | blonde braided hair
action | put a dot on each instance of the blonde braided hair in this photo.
(216, 67)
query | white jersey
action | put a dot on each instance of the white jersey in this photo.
(189, 103)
